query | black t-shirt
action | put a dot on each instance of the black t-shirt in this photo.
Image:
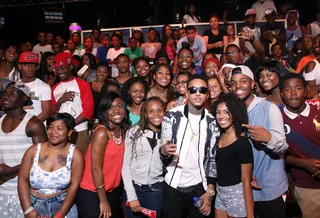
(213, 39)
(229, 160)
(235, 13)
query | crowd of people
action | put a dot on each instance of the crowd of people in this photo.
(182, 124)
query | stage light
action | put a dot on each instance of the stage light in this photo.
(53, 15)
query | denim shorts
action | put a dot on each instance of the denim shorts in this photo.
(231, 200)
(50, 206)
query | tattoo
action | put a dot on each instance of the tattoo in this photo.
(62, 160)
(43, 159)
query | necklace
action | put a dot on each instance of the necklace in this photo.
(118, 141)
(194, 133)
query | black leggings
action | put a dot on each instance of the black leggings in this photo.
(88, 203)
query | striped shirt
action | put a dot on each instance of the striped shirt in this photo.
(13, 145)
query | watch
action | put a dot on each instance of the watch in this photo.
(211, 192)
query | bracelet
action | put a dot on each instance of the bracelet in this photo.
(100, 187)
(28, 210)
(250, 53)
(58, 214)
(211, 192)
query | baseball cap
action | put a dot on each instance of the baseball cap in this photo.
(269, 11)
(62, 59)
(137, 29)
(242, 69)
(29, 57)
(250, 12)
(25, 89)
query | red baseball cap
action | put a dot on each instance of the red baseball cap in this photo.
(29, 57)
(62, 59)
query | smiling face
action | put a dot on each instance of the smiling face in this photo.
(197, 99)
(223, 116)
(162, 76)
(214, 88)
(294, 94)
(230, 30)
(102, 73)
(185, 59)
(211, 68)
(58, 132)
(137, 93)
(11, 54)
(241, 86)
(268, 80)
(115, 114)
(63, 72)
(13, 98)
(152, 36)
(154, 114)
(181, 84)
(142, 68)
(214, 22)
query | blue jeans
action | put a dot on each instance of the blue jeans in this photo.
(50, 206)
(149, 197)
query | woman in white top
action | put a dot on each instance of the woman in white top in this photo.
(191, 17)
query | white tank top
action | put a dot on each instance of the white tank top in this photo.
(13, 145)
(314, 74)
(315, 28)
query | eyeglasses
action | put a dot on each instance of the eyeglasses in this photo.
(232, 52)
(201, 89)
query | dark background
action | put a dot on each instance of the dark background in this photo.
(23, 23)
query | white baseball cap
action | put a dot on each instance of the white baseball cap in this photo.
(242, 69)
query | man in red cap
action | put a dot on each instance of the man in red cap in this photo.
(72, 95)
(40, 92)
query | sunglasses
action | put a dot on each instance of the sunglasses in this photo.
(201, 89)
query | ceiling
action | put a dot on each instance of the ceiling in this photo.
(22, 3)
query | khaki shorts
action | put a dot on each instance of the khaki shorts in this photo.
(309, 201)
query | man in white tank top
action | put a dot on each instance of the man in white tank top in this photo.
(311, 72)
(18, 131)
(314, 27)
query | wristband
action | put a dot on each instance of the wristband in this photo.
(28, 210)
(250, 54)
(58, 214)
(100, 187)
